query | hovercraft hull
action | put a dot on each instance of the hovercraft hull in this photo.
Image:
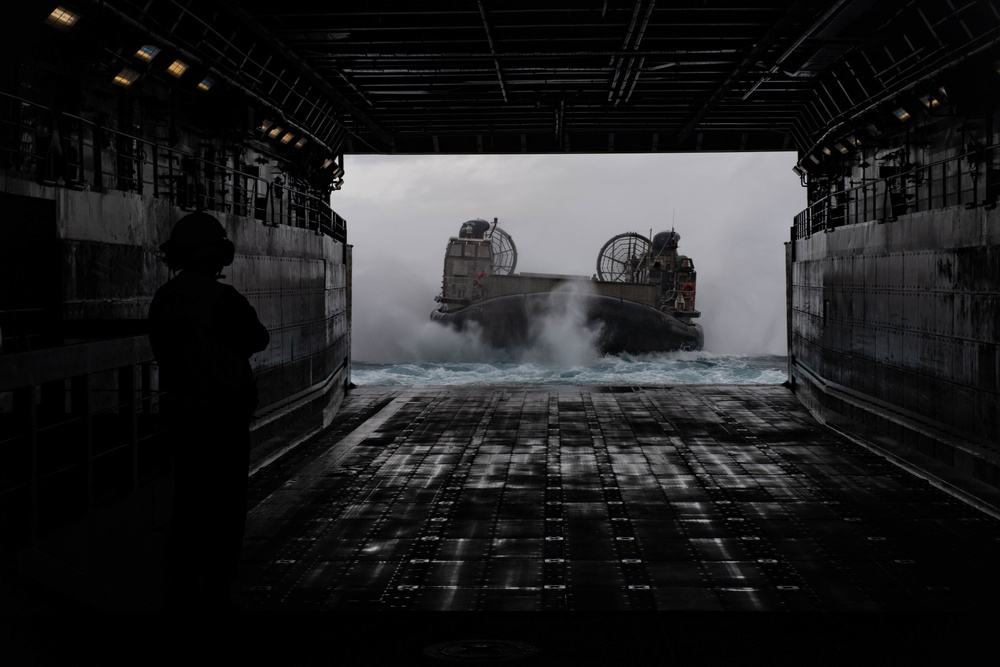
(620, 325)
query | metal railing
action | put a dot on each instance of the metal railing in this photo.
(55, 148)
(79, 427)
(19, 329)
(968, 179)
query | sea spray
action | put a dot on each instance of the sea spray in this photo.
(430, 342)
(665, 368)
(396, 343)
(560, 335)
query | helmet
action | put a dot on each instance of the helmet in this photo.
(198, 238)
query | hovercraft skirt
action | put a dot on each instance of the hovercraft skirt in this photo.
(621, 325)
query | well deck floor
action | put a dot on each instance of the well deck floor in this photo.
(572, 498)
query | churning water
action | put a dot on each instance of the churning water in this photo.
(562, 351)
(639, 370)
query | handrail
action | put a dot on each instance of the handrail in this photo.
(50, 364)
(52, 146)
(81, 428)
(885, 198)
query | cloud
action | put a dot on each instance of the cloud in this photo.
(733, 211)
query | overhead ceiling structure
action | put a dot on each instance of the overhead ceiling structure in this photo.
(615, 75)
(512, 76)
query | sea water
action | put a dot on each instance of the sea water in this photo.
(665, 368)
(563, 350)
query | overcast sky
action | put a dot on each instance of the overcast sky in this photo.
(732, 210)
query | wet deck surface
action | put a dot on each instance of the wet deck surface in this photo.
(603, 499)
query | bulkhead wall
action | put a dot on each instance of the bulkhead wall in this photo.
(108, 243)
(893, 334)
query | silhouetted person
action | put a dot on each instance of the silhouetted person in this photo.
(203, 333)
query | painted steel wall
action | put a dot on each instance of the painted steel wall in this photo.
(894, 329)
(295, 278)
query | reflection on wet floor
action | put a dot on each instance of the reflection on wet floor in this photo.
(602, 499)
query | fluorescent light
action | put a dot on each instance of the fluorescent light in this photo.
(177, 68)
(853, 141)
(288, 137)
(147, 52)
(126, 77)
(275, 131)
(327, 163)
(827, 150)
(301, 142)
(840, 147)
(62, 18)
(932, 101)
(902, 114)
(265, 125)
(206, 84)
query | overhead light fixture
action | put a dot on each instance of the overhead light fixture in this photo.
(853, 141)
(827, 150)
(147, 52)
(206, 84)
(62, 18)
(902, 114)
(936, 99)
(177, 68)
(840, 147)
(126, 77)
(301, 142)
(275, 131)
(288, 137)
(814, 158)
(326, 163)
(265, 125)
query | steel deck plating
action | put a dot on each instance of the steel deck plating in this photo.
(600, 499)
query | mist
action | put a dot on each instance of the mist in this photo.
(732, 210)
(560, 334)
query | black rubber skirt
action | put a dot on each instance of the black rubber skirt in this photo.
(622, 326)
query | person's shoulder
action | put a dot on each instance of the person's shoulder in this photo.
(230, 293)
(229, 290)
